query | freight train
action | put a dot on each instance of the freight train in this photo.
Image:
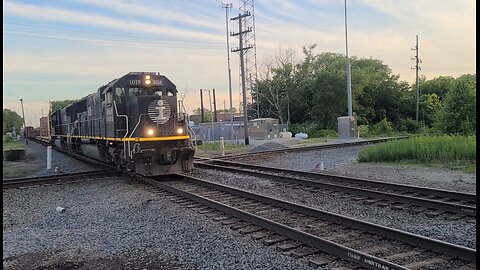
(134, 122)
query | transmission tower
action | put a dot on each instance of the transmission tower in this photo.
(417, 68)
(250, 57)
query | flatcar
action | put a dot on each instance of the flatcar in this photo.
(133, 122)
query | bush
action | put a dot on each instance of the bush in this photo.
(383, 127)
(408, 125)
(7, 139)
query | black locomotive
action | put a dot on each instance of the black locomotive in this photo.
(132, 122)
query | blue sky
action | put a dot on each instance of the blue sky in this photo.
(67, 49)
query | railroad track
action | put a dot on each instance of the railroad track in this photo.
(93, 162)
(432, 202)
(314, 234)
(103, 169)
(57, 179)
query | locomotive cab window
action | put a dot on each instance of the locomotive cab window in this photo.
(120, 94)
(109, 97)
(135, 91)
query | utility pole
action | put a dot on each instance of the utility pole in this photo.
(201, 105)
(214, 106)
(349, 78)
(250, 56)
(241, 49)
(211, 113)
(417, 68)
(227, 6)
(24, 124)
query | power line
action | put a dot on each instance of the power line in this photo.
(70, 31)
(107, 41)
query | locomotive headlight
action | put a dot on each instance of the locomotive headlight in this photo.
(180, 131)
(147, 77)
(147, 81)
(150, 132)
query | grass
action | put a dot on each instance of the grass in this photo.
(230, 148)
(13, 144)
(454, 152)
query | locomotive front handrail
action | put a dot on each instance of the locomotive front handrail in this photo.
(126, 132)
(133, 131)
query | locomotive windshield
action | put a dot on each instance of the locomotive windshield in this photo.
(140, 91)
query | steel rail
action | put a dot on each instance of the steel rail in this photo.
(55, 179)
(352, 180)
(429, 203)
(361, 258)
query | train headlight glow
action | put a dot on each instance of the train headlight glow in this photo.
(147, 77)
(180, 131)
(150, 132)
(147, 81)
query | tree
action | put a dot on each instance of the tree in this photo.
(439, 86)
(11, 121)
(58, 104)
(430, 105)
(458, 114)
(206, 114)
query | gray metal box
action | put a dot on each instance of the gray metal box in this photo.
(263, 128)
(347, 127)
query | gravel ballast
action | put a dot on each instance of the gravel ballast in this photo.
(460, 232)
(112, 222)
(342, 161)
(64, 163)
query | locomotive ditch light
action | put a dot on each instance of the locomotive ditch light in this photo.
(150, 132)
(180, 131)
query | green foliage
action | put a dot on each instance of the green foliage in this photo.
(430, 105)
(9, 142)
(206, 114)
(408, 125)
(215, 146)
(11, 121)
(448, 150)
(58, 104)
(313, 90)
(458, 114)
(438, 86)
(383, 127)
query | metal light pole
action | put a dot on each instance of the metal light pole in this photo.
(227, 6)
(24, 124)
(349, 79)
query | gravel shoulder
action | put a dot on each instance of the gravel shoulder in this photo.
(343, 161)
(35, 163)
(116, 224)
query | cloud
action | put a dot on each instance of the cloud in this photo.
(146, 9)
(68, 16)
